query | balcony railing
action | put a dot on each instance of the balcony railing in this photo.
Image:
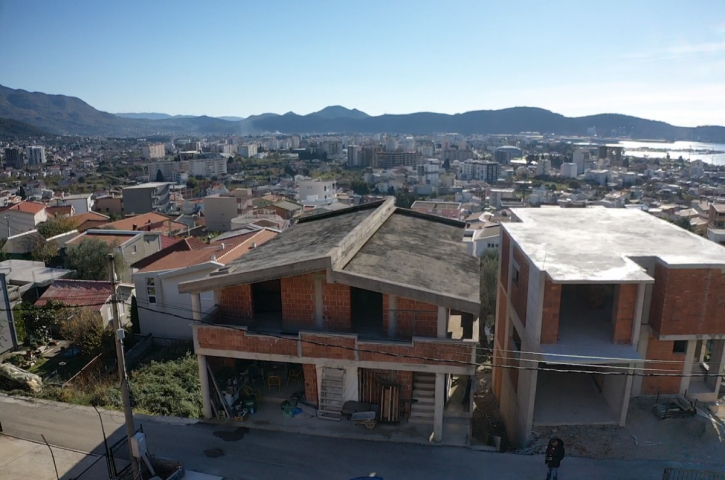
(410, 323)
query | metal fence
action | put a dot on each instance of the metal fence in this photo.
(119, 460)
(680, 474)
(98, 470)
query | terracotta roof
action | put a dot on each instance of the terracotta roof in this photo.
(28, 207)
(230, 252)
(59, 210)
(88, 224)
(168, 241)
(81, 293)
(183, 245)
(139, 221)
(109, 239)
(82, 218)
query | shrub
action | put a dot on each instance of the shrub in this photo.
(85, 329)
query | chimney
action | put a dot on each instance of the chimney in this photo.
(213, 258)
(135, 227)
(221, 247)
(254, 244)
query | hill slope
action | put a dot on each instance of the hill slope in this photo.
(15, 130)
(60, 114)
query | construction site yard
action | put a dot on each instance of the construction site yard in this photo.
(645, 437)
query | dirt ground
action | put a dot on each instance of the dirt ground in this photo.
(645, 437)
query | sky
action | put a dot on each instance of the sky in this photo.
(661, 59)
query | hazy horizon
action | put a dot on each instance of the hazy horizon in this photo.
(660, 60)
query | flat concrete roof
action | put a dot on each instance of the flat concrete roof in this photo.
(601, 245)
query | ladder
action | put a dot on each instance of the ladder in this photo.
(330, 407)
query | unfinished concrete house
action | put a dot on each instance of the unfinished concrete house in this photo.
(359, 304)
(606, 292)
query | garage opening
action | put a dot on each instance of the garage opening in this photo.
(366, 310)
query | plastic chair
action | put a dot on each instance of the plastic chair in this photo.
(294, 374)
(274, 380)
(252, 392)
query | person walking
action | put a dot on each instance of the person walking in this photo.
(554, 456)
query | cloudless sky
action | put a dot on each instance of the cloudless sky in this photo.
(657, 59)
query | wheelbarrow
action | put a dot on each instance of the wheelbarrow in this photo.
(369, 419)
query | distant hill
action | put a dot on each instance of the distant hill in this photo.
(60, 114)
(15, 130)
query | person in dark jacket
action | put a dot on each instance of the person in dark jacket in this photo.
(554, 456)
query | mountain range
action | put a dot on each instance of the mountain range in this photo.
(60, 114)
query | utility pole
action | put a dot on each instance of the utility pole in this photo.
(121, 360)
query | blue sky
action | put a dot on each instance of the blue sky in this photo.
(660, 59)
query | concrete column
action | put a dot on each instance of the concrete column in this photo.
(438, 408)
(690, 355)
(717, 358)
(196, 306)
(392, 316)
(626, 394)
(319, 306)
(204, 380)
(442, 322)
(638, 311)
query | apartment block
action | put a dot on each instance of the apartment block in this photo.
(153, 150)
(147, 197)
(35, 155)
(716, 223)
(590, 300)
(249, 150)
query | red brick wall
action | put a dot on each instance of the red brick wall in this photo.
(550, 317)
(433, 350)
(425, 316)
(498, 379)
(336, 304)
(657, 350)
(405, 379)
(298, 299)
(236, 301)
(626, 304)
(519, 292)
(512, 361)
(501, 320)
(310, 374)
(221, 338)
(505, 249)
(331, 348)
(688, 301)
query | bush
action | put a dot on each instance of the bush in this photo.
(85, 329)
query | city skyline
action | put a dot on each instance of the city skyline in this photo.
(661, 61)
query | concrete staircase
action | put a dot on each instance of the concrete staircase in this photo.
(421, 411)
(330, 407)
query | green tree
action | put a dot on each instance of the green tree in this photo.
(684, 223)
(22, 194)
(489, 279)
(55, 226)
(42, 250)
(89, 259)
(446, 164)
(36, 321)
(135, 326)
(574, 184)
(84, 328)
(159, 176)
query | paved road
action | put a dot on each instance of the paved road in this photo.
(262, 455)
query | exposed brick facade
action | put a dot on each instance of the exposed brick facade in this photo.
(520, 289)
(501, 318)
(310, 374)
(505, 252)
(236, 301)
(336, 306)
(341, 348)
(688, 301)
(657, 350)
(450, 351)
(512, 361)
(220, 338)
(552, 309)
(298, 299)
(424, 315)
(624, 310)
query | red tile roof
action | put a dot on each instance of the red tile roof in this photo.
(82, 218)
(59, 210)
(81, 293)
(231, 251)
(168, 241)
(28, 207)
(139, 220)
(109, 239)
(183, 245)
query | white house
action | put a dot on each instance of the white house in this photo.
(22, 217)
(161, 308)
(81, 202)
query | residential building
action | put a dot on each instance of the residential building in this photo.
(219, 210)
(196, 167)
(397, 159)
(480, 170)
(589, 300)
(716, 223)
(157, 293)
(248, 150)
(81, 202)
(35, 155)
(602, 177)
(363, 295)
(14, 158)
(22, 217)
(131, 245)
(332, 148)
(316, 190)
(147, 197)
(452, 210)
(149, 222)
(88, 220)
(480, 240)
(294, 142)
(581, 158)
(543, 167)
(153, 150)
(92, 294)
(506, 153)
(109, 204)
(569, 170)
(285, 209)
(354, 155)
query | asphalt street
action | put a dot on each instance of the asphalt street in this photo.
(235, 453)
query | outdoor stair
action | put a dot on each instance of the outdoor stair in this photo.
(423, 407)
(330, 401)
